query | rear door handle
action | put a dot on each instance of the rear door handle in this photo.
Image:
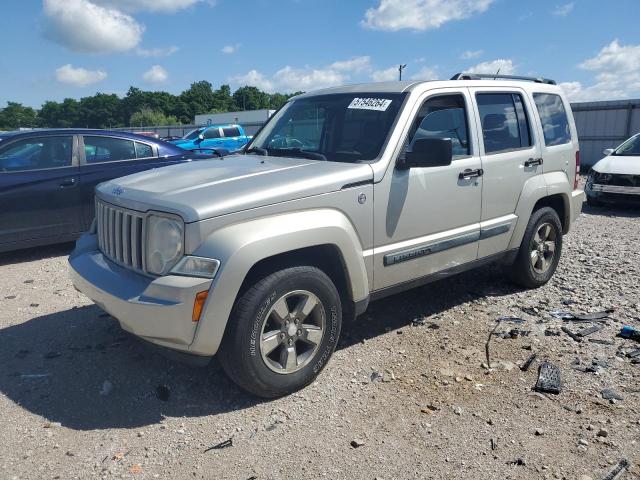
(533, 161)
(468, 173)
(69, 182)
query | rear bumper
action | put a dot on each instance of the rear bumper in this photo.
(577, 199)
(158, 310)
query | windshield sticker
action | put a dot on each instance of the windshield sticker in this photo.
(379, 104)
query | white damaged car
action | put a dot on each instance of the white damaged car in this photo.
(616, 178)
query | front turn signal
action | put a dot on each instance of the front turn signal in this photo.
(198, 305)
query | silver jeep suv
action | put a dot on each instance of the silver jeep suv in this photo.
(346, 195)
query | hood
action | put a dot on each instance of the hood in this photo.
(617, 164)
(208, 188)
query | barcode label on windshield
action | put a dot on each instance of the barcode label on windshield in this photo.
(379, 104)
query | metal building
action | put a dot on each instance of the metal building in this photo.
(604, 125)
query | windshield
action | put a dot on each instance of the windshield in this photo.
(193, 134)
(340, 127)
(629, 148)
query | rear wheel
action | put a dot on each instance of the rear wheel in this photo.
(539, 251)
(282, 332)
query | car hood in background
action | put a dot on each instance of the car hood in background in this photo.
(205, 189)
(618, 164)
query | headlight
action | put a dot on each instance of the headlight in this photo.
(197, 267)
(164, 243)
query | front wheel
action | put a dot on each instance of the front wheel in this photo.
(282, 331)
(539, 251)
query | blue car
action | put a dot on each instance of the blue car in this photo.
(47, 179)
(230, 138)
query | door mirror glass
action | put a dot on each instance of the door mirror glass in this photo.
(201, 137)
(429, 152)
(607, 151)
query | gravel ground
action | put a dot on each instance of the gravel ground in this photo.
(407, 394)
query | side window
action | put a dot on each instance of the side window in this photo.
(231, 132)
(553, 117)
(36, 153)
(107, 149)
(443, 117)
(143, 150)
(212, 133)
(504, 122)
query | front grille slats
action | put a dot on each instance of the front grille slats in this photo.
(120, 235)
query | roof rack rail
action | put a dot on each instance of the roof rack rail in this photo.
(486, 76)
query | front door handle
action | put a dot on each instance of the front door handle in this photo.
(468, 173)
(533, 161)
(69, 182)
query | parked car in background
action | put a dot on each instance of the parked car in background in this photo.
(228, 137)
(148, 134)
(616, 178)
(48, 177)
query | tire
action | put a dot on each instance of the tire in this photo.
(269, 315)
(532, 272)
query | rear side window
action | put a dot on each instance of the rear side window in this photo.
(143, 150)
(231, 132)
(212, 133)
(443, 117)
(107, 149)
(504, 122)
(553, 117)
(36, 153)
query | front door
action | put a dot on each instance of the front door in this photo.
(427, 219)
(38, 190)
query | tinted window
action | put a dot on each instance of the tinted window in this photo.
(553, 116)
(504, 122)
(143, 150)
(629, 148)
(212, 133)
(231, 132)
(36, 153)
(443, 117)
(106, 149)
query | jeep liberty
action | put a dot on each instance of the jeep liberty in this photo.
(345, 195)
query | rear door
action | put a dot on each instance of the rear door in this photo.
(104, 158)
(510, 155)
(39, 195)
(212, 138)
(233, 140)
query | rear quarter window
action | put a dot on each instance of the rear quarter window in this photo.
(553, 116)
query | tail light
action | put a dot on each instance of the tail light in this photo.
(577, 177)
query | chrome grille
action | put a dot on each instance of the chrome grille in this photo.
(121, 235)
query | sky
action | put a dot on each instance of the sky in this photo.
(53, 49)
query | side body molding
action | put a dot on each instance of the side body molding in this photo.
(242, 245)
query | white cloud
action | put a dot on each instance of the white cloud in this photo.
(469, 54)
(501, 66)
(166, 6)
(617, 74)
(292, 79)
(229, 49)
(396, 15)
(425, 73)
(563, 10)
(82, 26)
(80, 77)
(387, 75)
(155, 74)
(157, 52)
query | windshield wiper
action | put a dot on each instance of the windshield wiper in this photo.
(258, 150)
(299, 152)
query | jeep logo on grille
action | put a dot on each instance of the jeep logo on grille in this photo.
(117, 190)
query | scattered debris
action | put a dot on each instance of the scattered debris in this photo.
(616, 472)
(107, 388)
(525, 366)
(601, 342)
(634, 353)
(10, 297)
(630, 333)
(571, 334)
(226, 444)
(603, 432)
(517, 461)
(585, 332)
(539, 432)
(28, 281)
(515, 333)
(135, 468)
(561, 315)
(486, 345)
(163, 392)
(584, 317)
(355, 443)
(533, 311)
(376, 377)
(548, 379)
(610, 394)
(494, 444)
(511, 319)
(429, 409)
(551, 333)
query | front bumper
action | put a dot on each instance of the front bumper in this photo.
(617, 189)
(158, 309)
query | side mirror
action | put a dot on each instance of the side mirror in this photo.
(200, 137)
(429, 152)
(608, 151)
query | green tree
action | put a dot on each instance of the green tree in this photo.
(149, 117)
(15, 115)
(250, 98)
(60, 115)
(100, 111)
(198, 98)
